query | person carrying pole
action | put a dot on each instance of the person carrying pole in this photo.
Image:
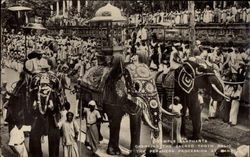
(93, 117)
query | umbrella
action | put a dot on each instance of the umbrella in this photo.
(19, 8)
(36, 26)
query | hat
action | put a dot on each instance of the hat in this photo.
(92, 103)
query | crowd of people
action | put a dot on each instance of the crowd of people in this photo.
(231, 15)
(74, 56)
(70, 55)
(63, 21)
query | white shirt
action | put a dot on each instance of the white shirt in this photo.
(17, 135)
(143, 33)
(69, 132)
(92, 116)
(35, 65)
(176, 108)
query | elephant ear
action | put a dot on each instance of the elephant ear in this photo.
(186, 77)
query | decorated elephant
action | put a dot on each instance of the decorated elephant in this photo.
(44, 90)
(125, 89)
(184, 83)
(33, 102)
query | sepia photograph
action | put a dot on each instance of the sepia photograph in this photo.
(125, 78)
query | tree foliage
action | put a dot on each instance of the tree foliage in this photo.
(40, 8)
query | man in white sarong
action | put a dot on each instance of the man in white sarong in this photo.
(70, 135)
(92, 134)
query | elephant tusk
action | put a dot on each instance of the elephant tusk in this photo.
(51, 105)
(148, 121)
(219, 92)
(166, 112)
(34, 105)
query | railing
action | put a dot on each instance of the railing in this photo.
(215, 33)
(238, 33)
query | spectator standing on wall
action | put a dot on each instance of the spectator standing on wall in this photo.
(224, 16)
(234, 13)
(244, 15)
(206, 15)
(248, 15)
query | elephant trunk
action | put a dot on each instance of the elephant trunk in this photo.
(166, 112)
(147, 120)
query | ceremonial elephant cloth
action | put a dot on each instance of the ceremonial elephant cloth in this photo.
(186, 79)
(94, 81)
(143, 89)
(95, 77)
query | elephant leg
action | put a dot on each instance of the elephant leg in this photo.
(135, 131)
(183, 124)
(53, 137)
(115, 116)
(35, 145)
(195, 112)
(54, 142)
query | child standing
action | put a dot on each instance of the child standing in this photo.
(176, 109)
(65, 110)
(92, 118)
(70, 131)
(17, 139)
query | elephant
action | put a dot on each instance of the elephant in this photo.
(124, 88)
(34, 101)
(185, 83)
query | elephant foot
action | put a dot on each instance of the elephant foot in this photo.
(114, 151)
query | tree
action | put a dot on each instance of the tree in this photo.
(40, 8)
